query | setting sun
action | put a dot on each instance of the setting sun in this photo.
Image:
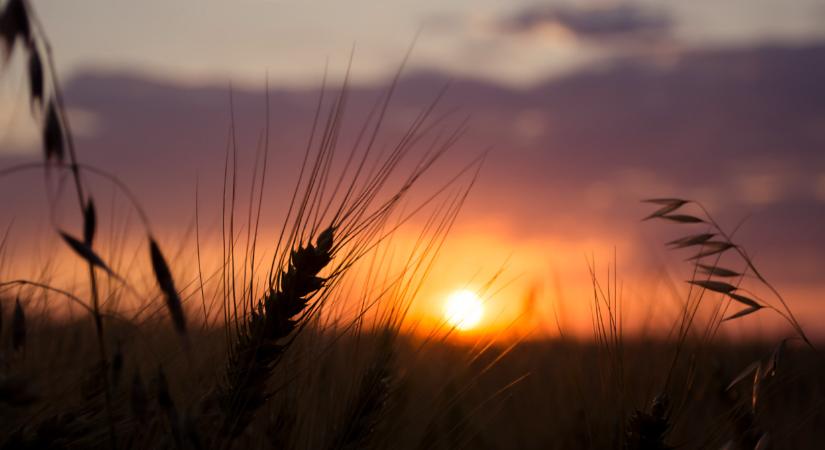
(463, 309)
(485, 224)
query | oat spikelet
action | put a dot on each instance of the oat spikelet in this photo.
(89, 222)
(53, 140)
(164, 278)
(35, 78)
(14, 25)
(84, 250)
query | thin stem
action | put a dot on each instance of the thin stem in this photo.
(69, 140)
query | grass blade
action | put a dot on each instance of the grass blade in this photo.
(776, 356)
(743, 374)
(757, 378)
(764, 442)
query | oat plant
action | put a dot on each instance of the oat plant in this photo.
(709, 246)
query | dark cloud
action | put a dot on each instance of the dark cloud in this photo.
(605, 23)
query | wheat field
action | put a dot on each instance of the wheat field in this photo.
(303, 339)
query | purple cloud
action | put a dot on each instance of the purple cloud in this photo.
(620, 22)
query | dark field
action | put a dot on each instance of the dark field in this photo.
(436, 395)
(285, 313)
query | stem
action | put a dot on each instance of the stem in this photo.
(69, 140)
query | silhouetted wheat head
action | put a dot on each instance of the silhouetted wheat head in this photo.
(340, 211)
(310, 272)
(338, 214)
(259, 342)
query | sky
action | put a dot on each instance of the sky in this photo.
(586, 107)
(516, 42)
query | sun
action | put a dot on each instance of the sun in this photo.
(463, 309)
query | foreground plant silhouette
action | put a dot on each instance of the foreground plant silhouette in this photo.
(716, 242)
(711, 245)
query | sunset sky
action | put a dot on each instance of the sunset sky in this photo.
(586, 108)
(517, 43)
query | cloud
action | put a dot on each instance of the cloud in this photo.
(601, 24)
(20, 135)
(570, 159)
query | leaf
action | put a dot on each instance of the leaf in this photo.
(35, 78)
(743, 374)
(743, 312)
(53, 135)
(691, 240)
(18, 327)
(716, 286)
(167, 285)
(744, 300)
(86, 253)
(89, 222)
(712, 248)
(717, 271)
(682, 218)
